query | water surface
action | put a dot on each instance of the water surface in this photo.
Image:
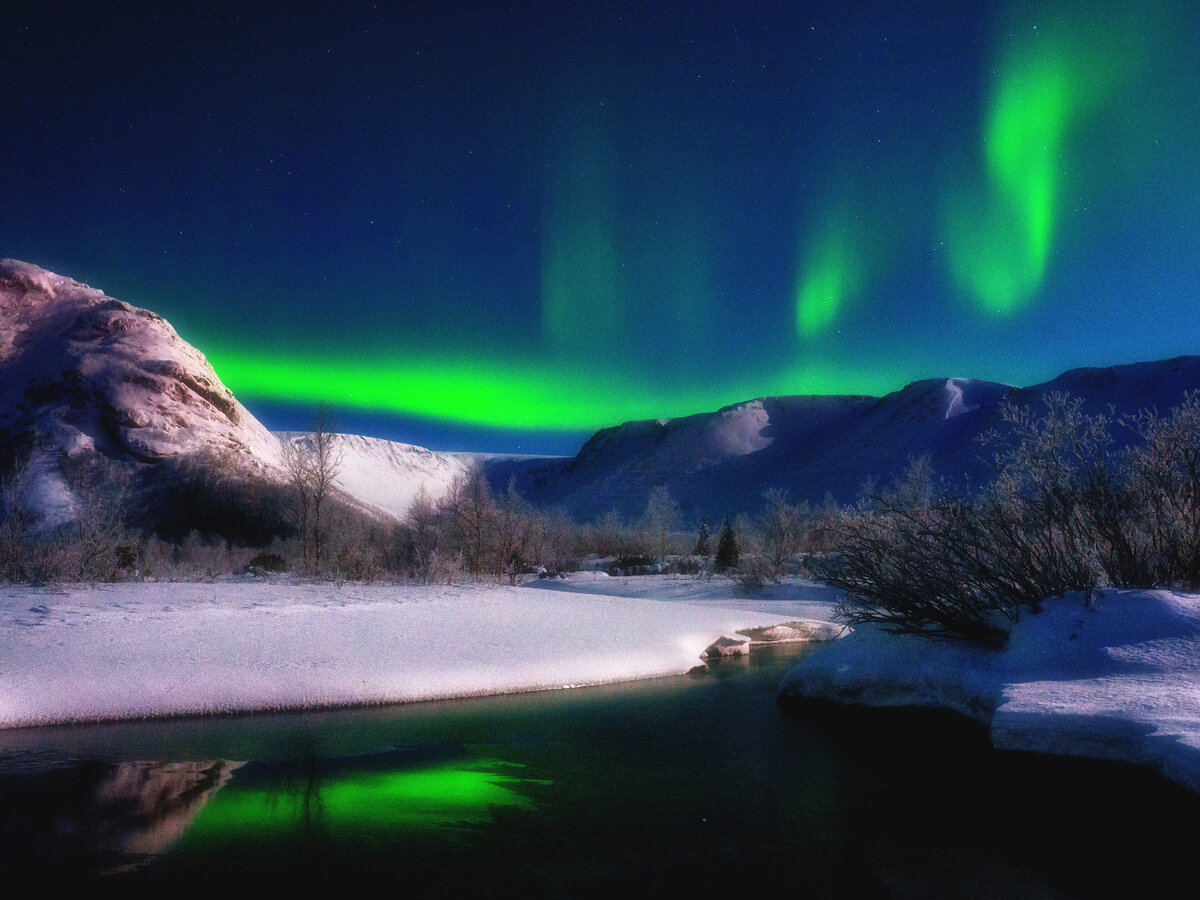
(693, 784)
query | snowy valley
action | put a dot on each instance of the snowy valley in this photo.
(84, 376)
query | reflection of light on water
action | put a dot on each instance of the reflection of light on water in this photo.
(442, 794)
(79, 819)
(147, 806)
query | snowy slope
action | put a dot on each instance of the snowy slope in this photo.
(82, 372)
(384, 476)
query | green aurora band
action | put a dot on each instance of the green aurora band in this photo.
(833, 274)
(1048, 81)
(547, 396)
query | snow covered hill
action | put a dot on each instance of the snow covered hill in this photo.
(81, 372)
(385, 476)
(720, 463)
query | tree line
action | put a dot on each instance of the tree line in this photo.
(204, 516)
(1069, 508)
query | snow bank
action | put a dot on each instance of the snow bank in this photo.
(1118, 681)
(133, 650)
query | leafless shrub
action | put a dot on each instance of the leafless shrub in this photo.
(1164, 478)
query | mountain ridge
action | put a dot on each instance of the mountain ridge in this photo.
(814, 447)
(81, 371)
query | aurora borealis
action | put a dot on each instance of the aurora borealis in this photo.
(475, 226)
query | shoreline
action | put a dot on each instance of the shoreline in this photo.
(138, 651)
(1118, 680)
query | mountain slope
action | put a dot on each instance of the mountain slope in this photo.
(86, 379)
(82, 371)
(720, 463)
(384, 477)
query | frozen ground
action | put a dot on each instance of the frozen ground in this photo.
(141, 649)
(1120, 680)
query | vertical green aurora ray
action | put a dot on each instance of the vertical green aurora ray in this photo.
(831, 276)
(583, 293)
(1056, 71)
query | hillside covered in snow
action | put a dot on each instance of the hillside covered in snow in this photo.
(80, 370)
(85, 375)
(384, 477)
(721, 463)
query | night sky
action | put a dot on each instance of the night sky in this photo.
(501, 226)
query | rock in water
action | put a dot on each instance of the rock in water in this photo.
(727, 646)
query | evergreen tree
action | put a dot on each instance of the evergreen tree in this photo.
(702, 548)
(727, 548)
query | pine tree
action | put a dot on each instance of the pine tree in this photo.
(702, 547)
(727, 548)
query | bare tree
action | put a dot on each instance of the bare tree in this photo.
(782, 525)
(327, 461)
(312, 463)
(470, 511)
(660, 519)
(513, 521)
(18, 514)
(297, 463)
(1164, 474)
(425, 534)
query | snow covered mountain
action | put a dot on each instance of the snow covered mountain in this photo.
(82, 371)
(720, 463)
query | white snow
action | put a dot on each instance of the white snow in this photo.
(146, 649)
(388, 475)
(81, 368)
(1119, 680)
(955, 404)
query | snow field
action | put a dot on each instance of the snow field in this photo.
(150, 649)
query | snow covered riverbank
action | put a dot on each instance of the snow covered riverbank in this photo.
(142, 649)
(1118, 681)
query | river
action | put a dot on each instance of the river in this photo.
(700, 783)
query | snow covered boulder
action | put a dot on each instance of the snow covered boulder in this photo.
(727, 646)
(872, 667)
(799, 630)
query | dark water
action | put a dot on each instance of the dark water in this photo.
(695, 785)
